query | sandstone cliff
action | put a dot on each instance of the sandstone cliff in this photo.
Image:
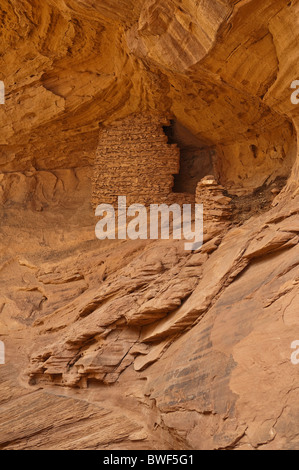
(140, 344)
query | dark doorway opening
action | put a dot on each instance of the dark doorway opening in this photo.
(196, 157)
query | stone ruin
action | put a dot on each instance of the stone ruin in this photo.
(217, 206)
(134, 159)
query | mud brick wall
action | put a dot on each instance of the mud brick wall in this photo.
(135, 160)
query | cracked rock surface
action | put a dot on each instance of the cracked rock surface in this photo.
(140, 344)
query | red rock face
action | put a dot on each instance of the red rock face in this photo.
(139, 344)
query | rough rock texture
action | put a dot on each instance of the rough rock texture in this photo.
(217, 206)
(134, 160)
(140, 344)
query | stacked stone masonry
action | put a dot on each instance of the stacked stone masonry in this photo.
(217, 207)
(135, 160)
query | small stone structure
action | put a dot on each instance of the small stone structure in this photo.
(135, 160)
(217, 207)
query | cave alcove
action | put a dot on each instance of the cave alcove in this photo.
(196, 160)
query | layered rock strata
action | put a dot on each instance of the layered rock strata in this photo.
(216, 205)
(139, 344)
